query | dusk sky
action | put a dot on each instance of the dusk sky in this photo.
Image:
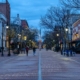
(31, 10)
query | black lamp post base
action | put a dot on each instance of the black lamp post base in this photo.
(9, 54)
(2, 55)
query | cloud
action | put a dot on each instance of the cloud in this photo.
(31, 10)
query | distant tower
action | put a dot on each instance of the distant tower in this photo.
(40, 40)
(17, 20)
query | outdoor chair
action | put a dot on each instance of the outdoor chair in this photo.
(64, 52)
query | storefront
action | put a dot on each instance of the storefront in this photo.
(76, 35)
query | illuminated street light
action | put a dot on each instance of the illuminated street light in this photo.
(9, 39)
(57, 34)
(66, 29)
(7, 26)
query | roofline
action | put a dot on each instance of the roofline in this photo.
(75, 22)
(2, 16)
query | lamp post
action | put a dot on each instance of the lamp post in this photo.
(8, 39)
(2, 39)
(58, 41)
(57, 37)
(61, 40)
(66, 29)
(71, 36)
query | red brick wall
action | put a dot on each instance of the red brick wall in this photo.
(5, 9)
(24, 23)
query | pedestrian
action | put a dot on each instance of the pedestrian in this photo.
(34, 50)
(27, 49)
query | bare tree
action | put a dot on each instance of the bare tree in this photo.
(48, 20)
(58, 17)
(71, 3)
(55, 15)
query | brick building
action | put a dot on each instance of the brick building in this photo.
(5, 9)
(24, 24)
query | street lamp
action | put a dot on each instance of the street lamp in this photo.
(66, 29)
(71, 36)
(9, 40)
(2, 39)
(57, 34)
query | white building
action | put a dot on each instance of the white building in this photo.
(17, 20)
(16, 23)
(72, 19)
(76, 31)
(2, 30)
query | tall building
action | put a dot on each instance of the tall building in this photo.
(5, 9)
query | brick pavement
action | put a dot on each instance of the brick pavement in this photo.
(20, 67)
(76, 57)
(5, 53)
(58, 67)
(54, 66)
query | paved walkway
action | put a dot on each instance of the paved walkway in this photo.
(45, 65)
(59, 67)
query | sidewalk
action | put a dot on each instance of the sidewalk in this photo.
(45, 65)
(55, 66)
(20, 67)
(5, 53)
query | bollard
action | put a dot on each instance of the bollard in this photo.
(73, 53)
(69, 53)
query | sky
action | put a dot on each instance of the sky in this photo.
(31, 10)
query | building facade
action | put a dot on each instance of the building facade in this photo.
(76, 36)
(76, 30)
(24, 24)
(5, 9)
(3, 21)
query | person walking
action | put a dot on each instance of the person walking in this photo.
(34, 50)
(27, 49)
